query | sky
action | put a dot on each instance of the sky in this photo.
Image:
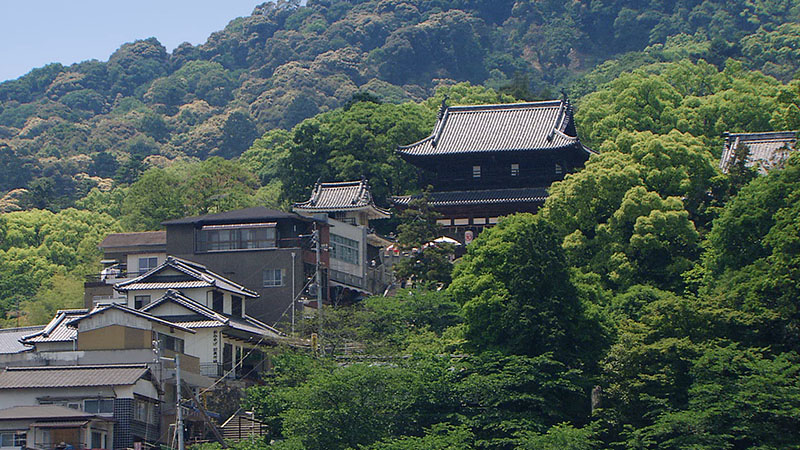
(38, 32)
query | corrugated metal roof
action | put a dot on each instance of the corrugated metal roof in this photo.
(498, 128)
(255, 214)
(70, 376)
(146, 238)
(9, 338)
(342, 196)
(765, 149)
(60, 424)
(42, 412)
(481, 197)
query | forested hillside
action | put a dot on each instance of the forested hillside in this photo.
(651, 304)
(65, 130)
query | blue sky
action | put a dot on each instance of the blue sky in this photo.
(38, 32)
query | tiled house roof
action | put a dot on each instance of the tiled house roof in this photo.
(103, 308)
(765, 149)
(342, 196)
(10, 338)
(57, 330)
(480, 197)
(194, 276)
(498, 128)
(205, 317)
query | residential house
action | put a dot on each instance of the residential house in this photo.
(48, 427)
(106, 406)
(487, 161)
(266, 251)
(125, 255)
(763, 151)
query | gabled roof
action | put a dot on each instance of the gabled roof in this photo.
(247, 215)
(208, 318)
(9, 338)
(499, 128)
(480, 197)
(103, 308)
(57, 330)
(71, 376)
(765, 149)
(194, 276)
(342, 196)
(143, 239)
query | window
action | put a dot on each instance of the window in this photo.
(559, 169)
(344, 249)
(13, 439)
(98, 439)
(236, 237)
(144, 411)
(476, 171)
(167, 342)
(217, 302)
(236, 306)
(514, 170)
(139, 301)
(147, 264)
(273, 277)
(99, 406)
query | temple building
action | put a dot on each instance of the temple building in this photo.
(764, 150)
(488, 161)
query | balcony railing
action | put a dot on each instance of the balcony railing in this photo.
(346, 278)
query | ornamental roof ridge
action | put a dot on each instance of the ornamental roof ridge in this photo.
(502, 127)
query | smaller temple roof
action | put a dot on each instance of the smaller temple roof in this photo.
(765, 149)
(196, 276)
(342, 196)
(533, 126)
(480, 197)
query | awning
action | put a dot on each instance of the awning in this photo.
(70, 424)
(237, 226)
(347, 286)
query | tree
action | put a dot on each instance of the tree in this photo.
(154, 198)
(518, 297)
(428, 263)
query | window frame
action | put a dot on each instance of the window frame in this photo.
(345, 249)
(273, 281)
(151, 262)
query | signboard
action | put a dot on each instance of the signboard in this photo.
(469, 235)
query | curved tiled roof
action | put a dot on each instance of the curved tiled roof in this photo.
(342, 196)
(480, 197)
(498, 128)
(10, 338)
(765, 149)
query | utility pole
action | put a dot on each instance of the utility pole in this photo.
(294, 297)
(179, 410)
(319, 286)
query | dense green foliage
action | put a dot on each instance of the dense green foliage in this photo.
(652, 302)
